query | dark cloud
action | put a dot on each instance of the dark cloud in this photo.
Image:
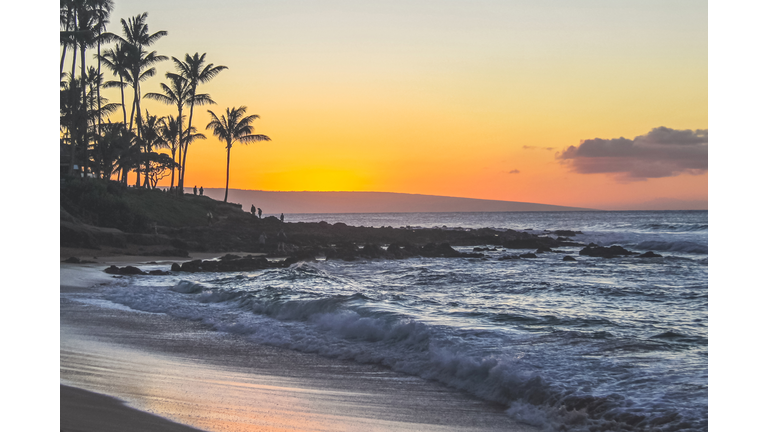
(515, 171)
(662, 152)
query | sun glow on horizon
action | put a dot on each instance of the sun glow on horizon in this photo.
(398, 98)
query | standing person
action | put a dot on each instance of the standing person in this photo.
(201, 191)
(259, 213)
(282, 218)
(196, 189)
(253, 210)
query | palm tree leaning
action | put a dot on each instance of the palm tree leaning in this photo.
(196, 72)
(233, 127)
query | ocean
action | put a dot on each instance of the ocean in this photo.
(591, 345)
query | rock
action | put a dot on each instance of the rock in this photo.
(127, 270)
(372, 251)
(508, 257)
(229, 257)
(544, 249)
(159, 272)
(649, 254)
(175, 267)
(528, 255)
(594, 250)
(569, 258)
(566, 233)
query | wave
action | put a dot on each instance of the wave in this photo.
(685, 227)
(674, 246)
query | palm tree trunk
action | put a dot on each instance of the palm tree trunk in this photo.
(98, 77)
(173, 167)
(184, 165)
(85, 109)
(63, 56)
(226, 189)
(73, 135)
(122, 100)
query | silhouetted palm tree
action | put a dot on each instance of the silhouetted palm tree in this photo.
(194, 70)
(101, 10)
(179, 94)
(233, 127)
(173, 137)
(150, 138)
(116, 60)
(140, 62)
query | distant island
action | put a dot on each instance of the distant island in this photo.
(372, 202)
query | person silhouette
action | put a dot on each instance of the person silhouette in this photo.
(196, 189)
(282, 218)
(201, 191)
(259, 213)
(253, 210)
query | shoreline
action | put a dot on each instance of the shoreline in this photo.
(187, 373)
(83, 411)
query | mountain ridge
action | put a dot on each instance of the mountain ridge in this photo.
(274, 202)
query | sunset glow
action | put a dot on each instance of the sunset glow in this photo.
(455, 98)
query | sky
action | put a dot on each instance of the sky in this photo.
(598, 104)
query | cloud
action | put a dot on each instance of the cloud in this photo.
(662, 152)
(515, 171)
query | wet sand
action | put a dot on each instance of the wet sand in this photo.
(83, 411)
(184, 372)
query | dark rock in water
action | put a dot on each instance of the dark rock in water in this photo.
(192, 266)
(544, 249)
(127, 270)
(594, 250)
(175, 267)
(569, 258)
(75, 260)
(159, 272)
(566, 233)
(528, 255)
(444, 250)
(229, 257)
(509, 257)
(372, 251)
(649, 254)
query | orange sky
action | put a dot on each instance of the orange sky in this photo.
(442, 98)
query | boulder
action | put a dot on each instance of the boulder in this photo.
(127, 270)
(528, 255)
(569, 258)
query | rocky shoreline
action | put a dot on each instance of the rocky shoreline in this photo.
(270, 243)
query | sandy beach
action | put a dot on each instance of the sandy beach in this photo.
(174, 374)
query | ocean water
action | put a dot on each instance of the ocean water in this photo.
(596, 344)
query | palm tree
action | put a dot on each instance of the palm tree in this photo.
(233, 127)
(140, 62)
(194, 70)
(116, 60)
(169, 131)
(100, 10)
(150, 138)
(179, 94)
